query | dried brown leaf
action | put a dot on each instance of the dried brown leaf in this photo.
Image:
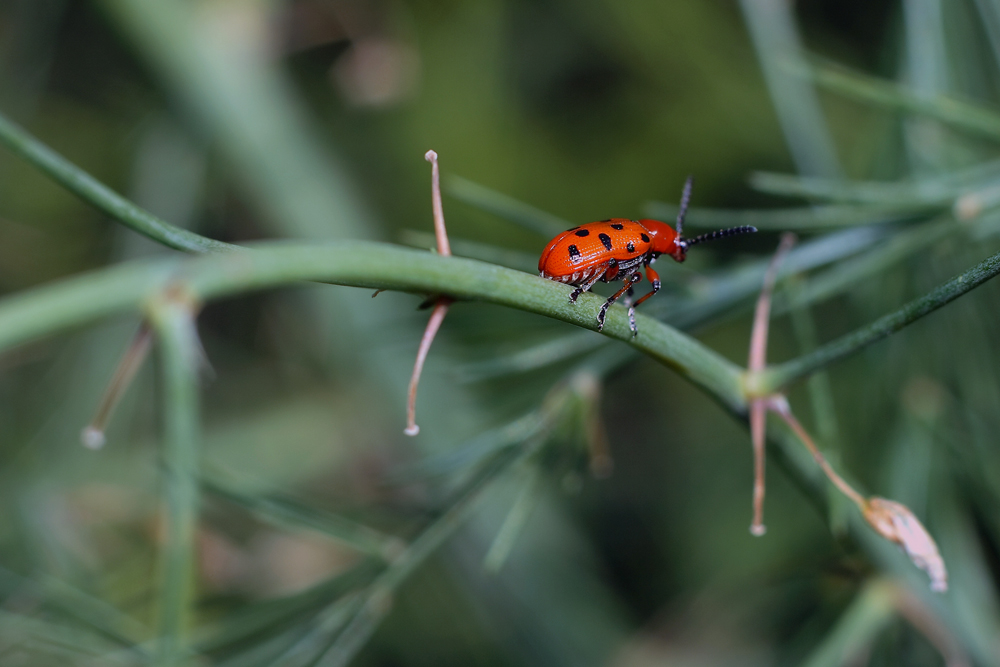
(895, 522)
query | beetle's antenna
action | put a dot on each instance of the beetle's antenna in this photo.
(721, 234)
(685, 199)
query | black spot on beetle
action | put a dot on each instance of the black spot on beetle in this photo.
(574, 251)
(619, 226)
(630, 247)
(645, 239)
(606, 240)
(583, 232)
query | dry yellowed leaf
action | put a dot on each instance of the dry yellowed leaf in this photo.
(894, 521)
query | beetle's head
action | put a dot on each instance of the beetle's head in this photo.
(667, 241)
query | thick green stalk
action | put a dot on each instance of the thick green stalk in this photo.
(780, 375)
(75, 301)
(92, 191)
(173, 319)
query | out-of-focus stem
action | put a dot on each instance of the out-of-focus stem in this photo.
(173, 317)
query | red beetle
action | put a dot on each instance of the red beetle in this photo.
(615, 249)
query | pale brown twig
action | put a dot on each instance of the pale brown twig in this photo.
(756, 362)
(437, 317)
(779, 404)
(440, 307)
(92, 435)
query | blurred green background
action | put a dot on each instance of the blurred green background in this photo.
(252, 119)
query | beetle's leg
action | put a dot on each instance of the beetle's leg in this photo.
(654, 278)
(575, 294)
(631, 280)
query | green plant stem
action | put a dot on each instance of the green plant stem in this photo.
(92, 191)
(772, 379)
(174, 322)
(75, 301)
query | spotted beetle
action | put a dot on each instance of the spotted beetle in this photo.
(615, 249)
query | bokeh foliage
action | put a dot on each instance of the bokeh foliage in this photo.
(307, 119)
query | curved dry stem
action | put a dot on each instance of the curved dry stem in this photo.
(440, 308)
(437, 317)
(756, 362)
(92, 435)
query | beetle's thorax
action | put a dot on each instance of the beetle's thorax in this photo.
(665, 240)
